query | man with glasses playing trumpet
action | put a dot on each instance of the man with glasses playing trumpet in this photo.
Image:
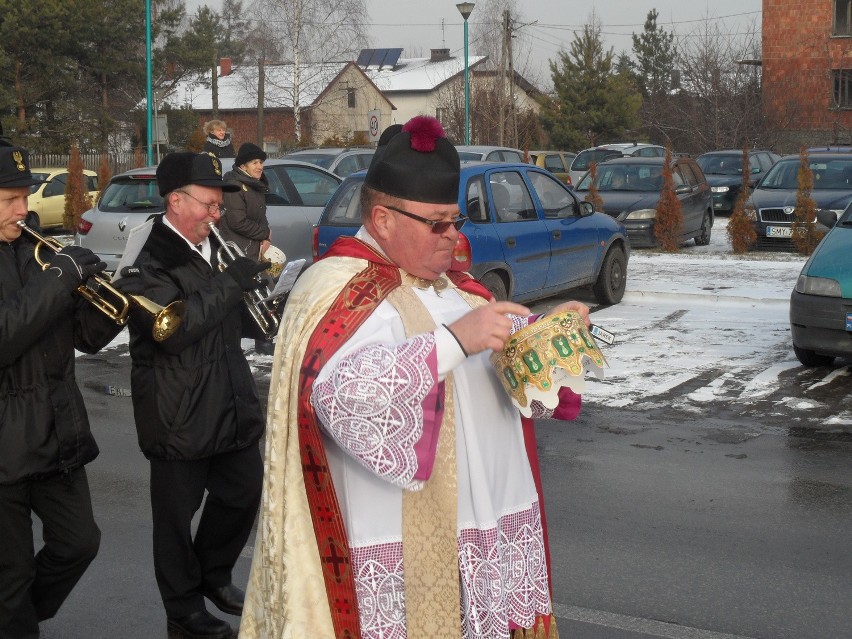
(197, 411)
(45, 440)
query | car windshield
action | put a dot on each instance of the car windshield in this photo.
(585, 158)
(323, 160)
(124, 195)
(625, 177)
(721, 164)
(830, 174)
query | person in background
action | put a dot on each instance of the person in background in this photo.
(244, 222)
(45, 440)
(399, 497)
(218, 141)
(196, 406)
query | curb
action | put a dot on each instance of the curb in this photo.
(644, 296)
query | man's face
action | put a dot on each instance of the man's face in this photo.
(192, 208)
(13, 209)
(411, 244)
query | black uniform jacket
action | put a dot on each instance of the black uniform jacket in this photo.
(44, 428)
(193, 394)
(244, 221)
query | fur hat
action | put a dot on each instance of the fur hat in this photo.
(417, 163)
(249, 152)
(184, 167)
(14, 167)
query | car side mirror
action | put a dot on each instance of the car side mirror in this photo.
(587, 208)
(826, 218)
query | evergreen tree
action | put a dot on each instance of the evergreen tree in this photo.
(668, 223)
(594, 196)
(593, 103)
(741, 233)
(655, 57)
(77, 198)
(805, 234)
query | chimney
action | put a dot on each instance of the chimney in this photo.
(224, 67)
(438, 55)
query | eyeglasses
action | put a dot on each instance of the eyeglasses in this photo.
(438, 226)
(213, 207)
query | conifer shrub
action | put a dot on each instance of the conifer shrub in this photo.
(77, 198)
(668, 224)
(593, 195)
(741, 233)
(104, 174)
(806, 236)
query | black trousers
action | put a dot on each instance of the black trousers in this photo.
(185, 566)
(33, 586)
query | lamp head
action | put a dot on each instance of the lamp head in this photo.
(465, 9)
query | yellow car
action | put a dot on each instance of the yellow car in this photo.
(47, 198)
(557, 162)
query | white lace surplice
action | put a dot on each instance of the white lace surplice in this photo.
(376, 399)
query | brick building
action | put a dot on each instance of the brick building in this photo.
(807, 71)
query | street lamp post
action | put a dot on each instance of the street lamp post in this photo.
(465, 9)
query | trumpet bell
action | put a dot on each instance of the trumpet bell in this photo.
(166, 319)
(278, 259)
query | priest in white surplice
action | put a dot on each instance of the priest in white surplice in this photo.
(399, 499)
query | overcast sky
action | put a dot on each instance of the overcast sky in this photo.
(419, 26)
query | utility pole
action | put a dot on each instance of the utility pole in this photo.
(504, 56)
(512, 110)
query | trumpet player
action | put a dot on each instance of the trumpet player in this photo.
(198, 416)
(45, 440)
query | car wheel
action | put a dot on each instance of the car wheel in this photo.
(810, 358)
(495, 284)
(703, 238)
(612, 279)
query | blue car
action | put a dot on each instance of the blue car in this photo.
(527, 235)
(821, 302)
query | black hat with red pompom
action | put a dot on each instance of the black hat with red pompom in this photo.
(419, 163)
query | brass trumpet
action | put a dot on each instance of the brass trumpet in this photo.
(261, 311)
(110, 301)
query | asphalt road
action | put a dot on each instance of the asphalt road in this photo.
(661, 524)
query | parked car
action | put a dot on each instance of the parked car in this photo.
(557, 162)
(821, 302)
(47, 198)
(340, 161)
(481, 153)
(724, 173)
(630, 189)
(774, 197)
(584, 159)
(527, 235)
(297, 194)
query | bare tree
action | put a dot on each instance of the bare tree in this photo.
(310, 33)
(719, 103)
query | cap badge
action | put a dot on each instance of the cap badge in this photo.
(19, 160)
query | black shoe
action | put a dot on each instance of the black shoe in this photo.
(226, 598)
(264, 347)
(199, 625)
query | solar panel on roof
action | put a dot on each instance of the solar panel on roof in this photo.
(377, 57)
(392, 57)
(364, 57)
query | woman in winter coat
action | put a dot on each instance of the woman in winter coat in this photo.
(244, 222)
(218, 141)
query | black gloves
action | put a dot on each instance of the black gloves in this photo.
(244, 270)
(76, 264)
(130, 282)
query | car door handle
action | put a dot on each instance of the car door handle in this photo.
(511, 243)
(557, 235)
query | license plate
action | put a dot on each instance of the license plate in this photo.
(849, 321)
(779, 231)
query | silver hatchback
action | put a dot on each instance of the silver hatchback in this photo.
(297, 194)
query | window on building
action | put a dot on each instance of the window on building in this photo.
(842, 17)
(350, 98)
(842, 96)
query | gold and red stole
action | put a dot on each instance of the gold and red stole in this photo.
(353, 305)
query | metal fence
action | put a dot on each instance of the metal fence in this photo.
(118, 162)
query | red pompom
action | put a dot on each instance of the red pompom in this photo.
(425, 130)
